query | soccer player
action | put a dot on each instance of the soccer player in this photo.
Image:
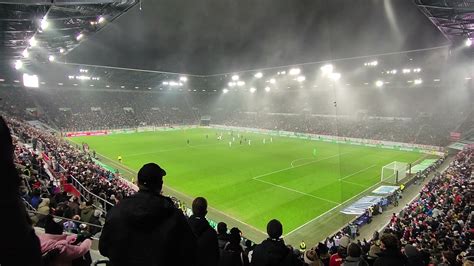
(250, 142)
(263, 141)
(188, 141)
(271, 140)
(230, 143)
(119, 158)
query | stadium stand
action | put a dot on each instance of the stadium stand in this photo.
(75, 110)
(434, 229)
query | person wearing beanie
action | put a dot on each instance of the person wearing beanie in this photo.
(54, 239)
(233, 254)
(273, 251)
(146, 228)
(207, 246)
(354, 256)
(413, 255)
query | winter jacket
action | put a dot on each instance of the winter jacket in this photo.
(390, 258)
(147, 229)
(233, 255)
(273, 252)
(207, 246)
(352, 261)
(87, 213)
(67, 251)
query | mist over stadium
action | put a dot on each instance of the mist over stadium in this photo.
(279, 132)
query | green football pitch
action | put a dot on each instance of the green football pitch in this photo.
(294, 180)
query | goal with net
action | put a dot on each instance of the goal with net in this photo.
(394, 172)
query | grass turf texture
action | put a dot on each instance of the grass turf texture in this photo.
(258, 182)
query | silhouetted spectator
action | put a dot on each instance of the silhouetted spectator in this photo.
(391, 254)
(273, 251)
(146, 228)
(19, 245)
(207, 246)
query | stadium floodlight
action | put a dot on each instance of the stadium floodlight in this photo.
(51, 58)
(301, 78)
(231, 84)
(406, 70)
(267, 89)
(183, 79)
(18, 64)
(379, 83)
(61, 50)
(235, 77)
(165, 83)
(79, 37)
(101, 19)
(44, 24)
(60, 84)
(467, 78)
(436, 80)
(468, 42)
(272, 81)
(417, 81)
(252, 90)
(335, 76)
(294, 71)
(225, 90)
(30, 81)
(258, 75)
(33, 42)
(327, 69)
(25, 53)
(416, 70)
(240, 83)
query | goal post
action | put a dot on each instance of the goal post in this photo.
(394, 172)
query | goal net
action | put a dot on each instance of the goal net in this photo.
(394, 172)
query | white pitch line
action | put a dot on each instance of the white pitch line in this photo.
(360, 171)
(291, 167)
(300, 159)
(297, 191)
(174, 149)
(210, 207)
(352, 183)
(335, 207)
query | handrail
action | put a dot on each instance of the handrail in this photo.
(82, 189)
(29, 207)
(67, 219)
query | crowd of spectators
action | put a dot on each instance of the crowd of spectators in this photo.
(435, 229)
(76, 110)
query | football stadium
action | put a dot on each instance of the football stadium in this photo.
(155, 132)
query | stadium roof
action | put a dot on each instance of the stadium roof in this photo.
(42, 30)
(454, 18)
(209, 37)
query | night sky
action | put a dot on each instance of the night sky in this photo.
(218, 36)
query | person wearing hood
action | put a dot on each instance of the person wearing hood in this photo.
(391, 254)
(43, 211)
(207, 245)
(87, 212)
(273, 251)
(146, 228)
(54, 239)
